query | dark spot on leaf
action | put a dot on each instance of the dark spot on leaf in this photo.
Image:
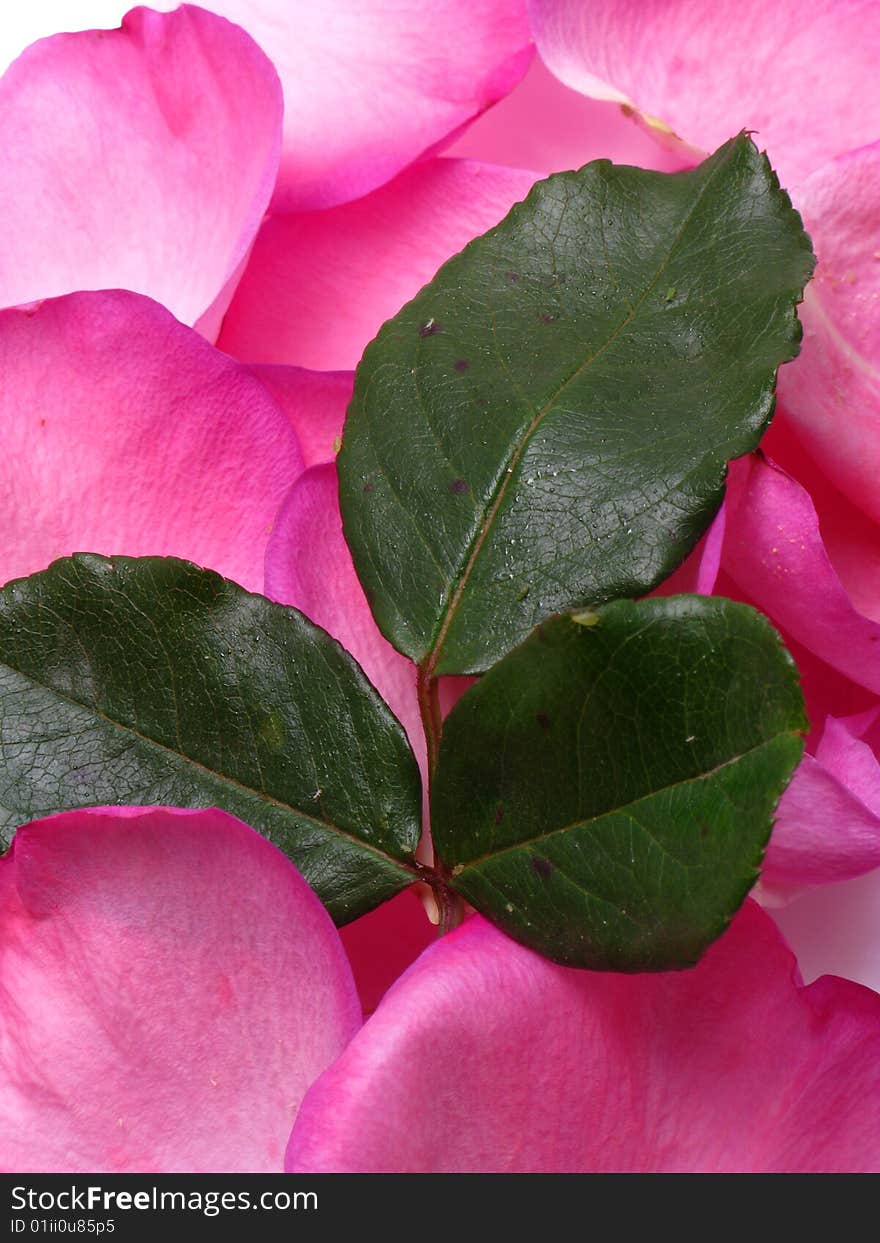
(513, 277)
(542, 866)
(547, 318)
(499, 813)
(462, 365)
(543, 720)
(458, 486)
(704, 829)
(369, 487)
(429, 328)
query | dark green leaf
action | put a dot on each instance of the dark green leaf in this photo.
(606, 792)
(150, 681)
(548, 423)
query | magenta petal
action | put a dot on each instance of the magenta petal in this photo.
(534, 1067)
(803, 76)
(698, 572)
(309, 566)
(832, 391)
(140, 158)
(383, 943)
(836, 928)
(320, 285)
(828, 824)
(826, 692)
(773, 550)
(369, 87)
(171, 988)
(124, 432)
(315, 402)
(706, 557)
(851, 538)
(545, 125)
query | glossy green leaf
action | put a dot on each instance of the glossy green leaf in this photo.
(547, 424)
(150, 681)
(606, 792)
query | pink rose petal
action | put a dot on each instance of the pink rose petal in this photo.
(124, 432)
(320, 285)
(828, 821)
(831, 393)
(171, 988)
(836, 928)
(731, 1066)
(544, 125)
(309, 566)
(141, 158)
(774, 552)
(828, 825)
(369, 86)
(850, 537)
(382, 944)
(698, 573)
(826, 692)
(803, 76)
(314, 401)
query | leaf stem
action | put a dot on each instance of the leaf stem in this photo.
(428, 689)
(450, 907)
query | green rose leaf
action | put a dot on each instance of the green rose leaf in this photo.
(151, 681)
(548, 423)
(606, 792)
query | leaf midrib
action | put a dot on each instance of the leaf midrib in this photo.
(474, 548)
(223, 778)
(624, 808)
